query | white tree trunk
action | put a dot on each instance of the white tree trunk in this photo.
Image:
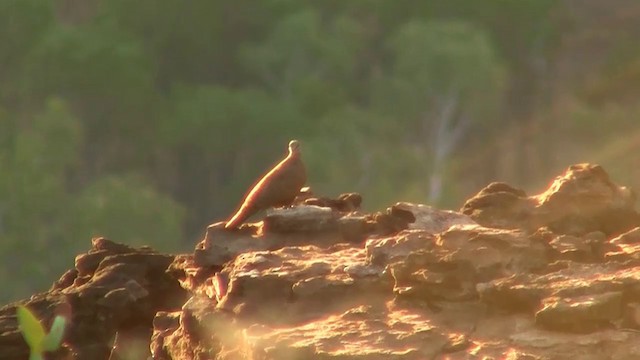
(449, 126)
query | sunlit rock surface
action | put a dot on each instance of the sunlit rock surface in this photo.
(581, 200)
(549, 276)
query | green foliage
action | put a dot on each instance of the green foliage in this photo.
(36, 161)
(35, 335)
(53, 339)
(434, 60)
(33, 162)
(127, 209)
(203, 115)
(587, 120)
(22, 24)
(96, 66)
(444, 78)
(304, 59)
(31, 329)
(40, 212)
(361, 148)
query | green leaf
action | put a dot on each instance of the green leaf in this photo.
(31, 328)
(36, 356)
(53, 339)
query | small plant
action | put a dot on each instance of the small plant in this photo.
(34, 333)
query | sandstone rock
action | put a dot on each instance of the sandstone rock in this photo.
(584, 199)
(348, 202)
(116, 290)
(363, 332)
(299, 225)
(500, 206)
(303, 218)
(631, 315)
(355, 228)
(569, 247)
(630, 237)
(581, 200)
(434, 220)
(393, 220)
(467, 280)
(580, 314)
(220, 246)
(550, 276)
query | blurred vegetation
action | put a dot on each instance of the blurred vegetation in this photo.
(144, 121)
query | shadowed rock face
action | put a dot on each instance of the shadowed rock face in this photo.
(551, 276)
(112, 294)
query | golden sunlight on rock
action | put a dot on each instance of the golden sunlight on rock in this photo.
(554, 276)
(359, 331)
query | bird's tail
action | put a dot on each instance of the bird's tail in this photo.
(238, 218)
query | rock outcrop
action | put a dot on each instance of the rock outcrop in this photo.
(549, 276)
(113, 294)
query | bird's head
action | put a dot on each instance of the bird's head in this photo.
(294, 147)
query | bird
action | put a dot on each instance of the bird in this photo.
(278, 187)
